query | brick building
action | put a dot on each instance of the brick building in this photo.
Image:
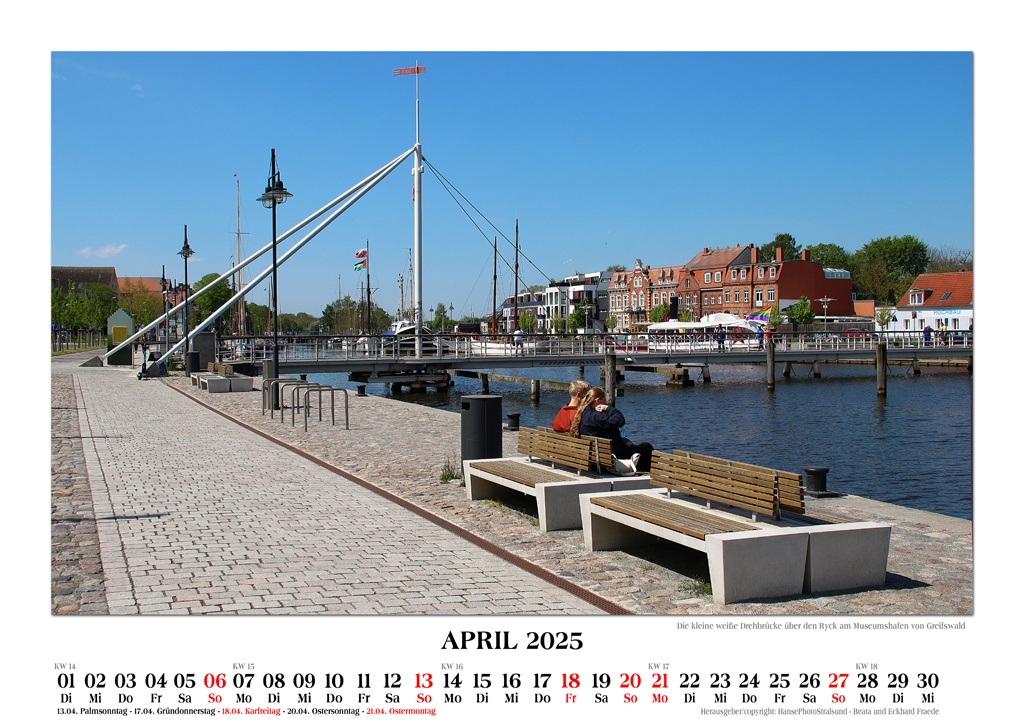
(727, 280)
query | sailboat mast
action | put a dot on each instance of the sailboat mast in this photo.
(240, 322)
(494, 291)
(515, 291)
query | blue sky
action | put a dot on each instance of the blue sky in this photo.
(603, 157)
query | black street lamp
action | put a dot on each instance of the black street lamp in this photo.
(186, 252)
(274, 195)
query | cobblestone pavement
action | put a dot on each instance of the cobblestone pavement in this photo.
(402, 448)
(76, 573)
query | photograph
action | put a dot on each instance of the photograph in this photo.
(441, 363)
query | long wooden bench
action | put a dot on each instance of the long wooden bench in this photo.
(842, 553)
(733, 512)
(554, 468)
(602, 459)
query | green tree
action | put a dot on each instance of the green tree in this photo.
(659, 312)
(829, 255)
(775, 316)
(947, 259)
(328, 318)
(611, 322)
(801, 312)
(580, 317)
(211, 296)
(615, 269)
(442, 318)
(137, 301)
(884, 315)
(790, 250)
(341, 316)
(97, 304)
(885, 268)
(527, 321)
(258, 316)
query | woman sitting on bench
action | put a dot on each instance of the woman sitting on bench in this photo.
(595, 418)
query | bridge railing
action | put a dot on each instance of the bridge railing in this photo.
(463, 346)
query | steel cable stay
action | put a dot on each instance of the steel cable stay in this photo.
(446, 184)
(360, 188)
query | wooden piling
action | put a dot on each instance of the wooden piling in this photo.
(770, 354)
(881, 365)
(610, 376)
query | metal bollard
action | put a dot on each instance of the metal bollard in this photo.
(815, 482)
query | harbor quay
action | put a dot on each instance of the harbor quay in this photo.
(170, 500)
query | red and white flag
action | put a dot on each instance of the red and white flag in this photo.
(409, 71)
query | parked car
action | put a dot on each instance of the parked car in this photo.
(858, 333)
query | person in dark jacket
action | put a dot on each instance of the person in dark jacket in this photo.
(595, 418)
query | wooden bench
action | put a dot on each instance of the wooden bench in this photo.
(842, 553)
(733, 512)
(554, 468)
(602, 459)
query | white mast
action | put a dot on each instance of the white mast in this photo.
(417, 225)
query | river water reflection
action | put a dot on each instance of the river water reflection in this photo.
(911, 448)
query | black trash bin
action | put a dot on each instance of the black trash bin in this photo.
(481, 427)
(191, 362)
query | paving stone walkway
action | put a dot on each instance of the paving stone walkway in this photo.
(198, 511)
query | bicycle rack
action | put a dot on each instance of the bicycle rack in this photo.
(320, 389)
(267, 383)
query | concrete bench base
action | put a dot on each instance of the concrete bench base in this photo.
(241, 383)
(778, 559)
(215, 384)
(767, 562)
(846, 556)
(558, 501)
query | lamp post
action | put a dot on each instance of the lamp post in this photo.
(274, 195)
(186, 252)
(824, 303)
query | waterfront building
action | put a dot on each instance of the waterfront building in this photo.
(727, 280)
(632, 294)
(61, 277)
(737, 281)
(937, 300)
(528, 301)
(563, 298)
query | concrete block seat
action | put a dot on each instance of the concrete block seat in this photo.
(747, 560)
(224, 383)
(198, 376)
(555, 469)
(215, 384)
(241, 383)
(842, 554)
(756, 548)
